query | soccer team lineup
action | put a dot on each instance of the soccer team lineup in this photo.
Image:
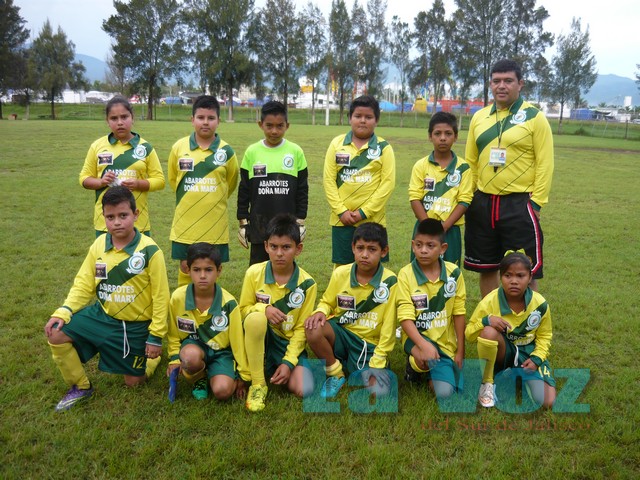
(240, 344)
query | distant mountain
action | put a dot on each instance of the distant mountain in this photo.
(611, 89)
(96, 68)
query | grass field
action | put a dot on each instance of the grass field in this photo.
(592, 273)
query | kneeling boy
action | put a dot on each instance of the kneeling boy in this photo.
(431, 312)
(126, 271)
(354, 324)
(204, 324)
(277, 296)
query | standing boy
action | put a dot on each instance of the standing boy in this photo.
(126, 271)
(277, 296)
(273, 179)
(203, 171)
(354, 323)
(204, 323)
(431, 311)
(441, 184)
(359, 177)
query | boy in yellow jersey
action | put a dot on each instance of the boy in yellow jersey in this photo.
(204, 324)
(277, 296)
(126, 271)
(441, 186)
(359, 177)
(353, 326)
(203, 171)
(431, 311)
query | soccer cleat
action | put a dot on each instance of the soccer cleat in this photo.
(487, 395)
(256, 398)
(410, 375)
(332, 386)
(173, 384)
(72, 397)
(200, 389)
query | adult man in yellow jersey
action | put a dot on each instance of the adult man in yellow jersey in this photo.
(510, 151)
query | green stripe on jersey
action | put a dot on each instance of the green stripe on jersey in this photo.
(201, 170)
(358, 163)
(492, 133)
(288, 302)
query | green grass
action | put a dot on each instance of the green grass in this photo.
(592, 272)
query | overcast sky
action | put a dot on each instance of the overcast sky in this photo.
(612, 24)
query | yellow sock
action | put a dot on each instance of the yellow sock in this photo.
(335, 370)
(488, 350)
(414, 365)
(193, 377)
(66, 358)
(183, 278)
(152, 364)
(255, 330)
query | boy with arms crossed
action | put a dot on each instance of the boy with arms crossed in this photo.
(203, 171)
(126, 271)
(277, 296)
(273, 179)
(354, 324)
(431, 311)
(204, 322)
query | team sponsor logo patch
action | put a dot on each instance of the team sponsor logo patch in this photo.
(453, 179)
(219, 322)
(105, 158)
(185, 164)
(263, 298)
(518, 118)
(136, 263)
(420, 302)
(140, 152)
(450, 287)
(430, 184)
(381, 294)
(101, 270)
(287, 161)
(534, 320)
(259, 170)
(374, 153)
(186, 325)
(296, 298)
(346, 302)
(343, 159)
(220, 157)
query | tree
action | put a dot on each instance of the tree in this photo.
(281, 50)
(342, 57)
(399, 48)
(574, 67)
(222, 51)
(315, 51)
(638, 75)
(51, 66)
(370, 40)
(433, 39)
(149, 43)
(13, 36)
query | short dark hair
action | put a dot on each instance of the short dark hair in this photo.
(116, 195)
(206, 101)
(443, 117)
(371, 232)
(431, 227)
(203, 250)
(284, 225)
(118, 100)
(365, 101)
(274, 107)
(505, 65)
(513, 258)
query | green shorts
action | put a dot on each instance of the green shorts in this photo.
(352, 351)
(121, 345)
(523, 353)
(179, 250)
(275, 348)
(453, 237)
(444, 370)
(341, 241)
(217, 362)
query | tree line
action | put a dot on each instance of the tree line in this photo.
(225, 45)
